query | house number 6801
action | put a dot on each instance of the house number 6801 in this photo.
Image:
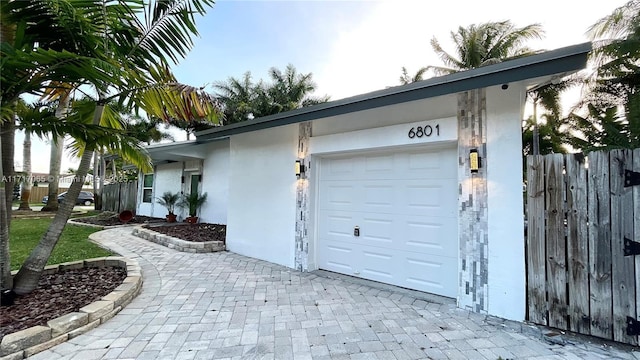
(424, 131)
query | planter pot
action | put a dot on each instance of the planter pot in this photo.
(126, 216)
(192, 219)
(171, 218)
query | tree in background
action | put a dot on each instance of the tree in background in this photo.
(122, 50)
(611, 108)
(29, 113)
(550, 135)
(405, 78)
(242, 99)
(485, 44)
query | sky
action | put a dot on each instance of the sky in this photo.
(350, 47)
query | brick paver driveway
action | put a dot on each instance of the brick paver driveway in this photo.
(223, 305)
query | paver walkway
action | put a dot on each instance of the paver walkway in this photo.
(223, 305)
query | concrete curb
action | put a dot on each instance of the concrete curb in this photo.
(178, 244)
(27, 342)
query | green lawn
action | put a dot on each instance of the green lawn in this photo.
(73, 244)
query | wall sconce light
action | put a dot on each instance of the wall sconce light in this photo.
(299, 169)
(474, 161)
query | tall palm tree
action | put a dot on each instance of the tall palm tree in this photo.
(29, 113)
(137, 39)
(405, 78)
(242, 99)
(238, 98)
(289, 89)
(617, 57)
(485, 44)
(55, 157)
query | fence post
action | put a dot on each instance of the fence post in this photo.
(600, 245)
(577, 240)
(555, 242)
(623, 272)
(536, 269)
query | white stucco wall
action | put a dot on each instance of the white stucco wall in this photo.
(262, 183)
(168, 177)
(506, 277)
(215, 182)
(142, 208)
(419, 110)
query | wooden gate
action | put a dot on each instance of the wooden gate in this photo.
(120, 196)
(583, 243)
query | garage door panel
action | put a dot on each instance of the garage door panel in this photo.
(377, 229)
(428, 235)
(337, 225)
(378, 165)
(428, 198)
(378, 196)
(339, 195)
(405, 205)
(438, 163)
(430, 273)
(338, 256)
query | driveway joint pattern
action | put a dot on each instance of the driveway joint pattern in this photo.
(227, 306)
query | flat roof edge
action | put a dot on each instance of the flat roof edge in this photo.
(563, 60)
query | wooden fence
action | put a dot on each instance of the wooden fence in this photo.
(38, 192)
(120, 196)
(583, 262)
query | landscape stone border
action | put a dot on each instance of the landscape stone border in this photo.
(178, 244)
(104, 227)
(27, 342)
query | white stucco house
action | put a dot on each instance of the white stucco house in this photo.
(418, 186)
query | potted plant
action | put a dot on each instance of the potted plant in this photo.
(169, 200)
(193, 202)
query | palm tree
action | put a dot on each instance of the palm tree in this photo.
(242, 99)
(290, 90)
(485, 44)
(405, 78)
(139, 38)
(617, 78)
(551, 135)
(238, 97)
(55, 157)
(29, 113)
(602, 129)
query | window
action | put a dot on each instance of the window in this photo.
(147, 188)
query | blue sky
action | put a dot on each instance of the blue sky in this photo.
(351, 47)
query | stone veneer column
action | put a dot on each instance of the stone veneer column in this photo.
(472, 220)
(302, 200)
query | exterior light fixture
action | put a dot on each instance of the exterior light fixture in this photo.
(474, 161)
(299, 169)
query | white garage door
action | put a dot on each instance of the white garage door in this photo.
(405, 205)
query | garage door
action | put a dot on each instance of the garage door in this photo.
(404, 205)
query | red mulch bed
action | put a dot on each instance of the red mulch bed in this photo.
(59, 294)
(193, 232)
(107, 219)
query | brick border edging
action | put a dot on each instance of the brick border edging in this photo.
(178, 244)
(30, 341)
(107, 227)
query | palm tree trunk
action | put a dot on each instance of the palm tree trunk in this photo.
(26, 280)
(55, 162)
(7, 34)
(26, 169)
(100, 185)
(95, 179)
(5, 259)
(7, 131)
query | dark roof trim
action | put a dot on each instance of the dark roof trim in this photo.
(567, 59)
